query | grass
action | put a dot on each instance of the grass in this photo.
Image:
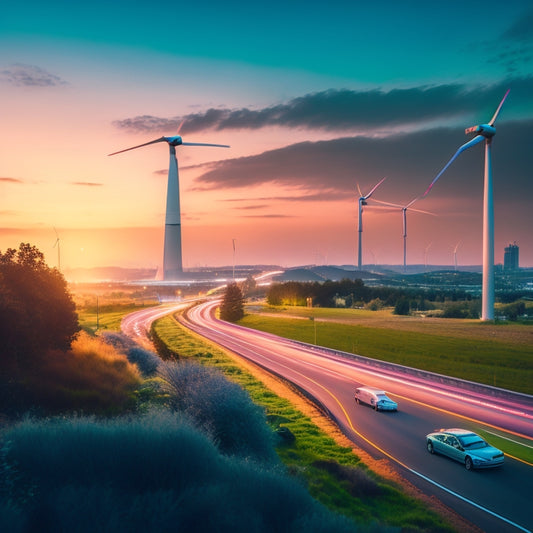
(500, 355)
(106, 316)
(327, 469)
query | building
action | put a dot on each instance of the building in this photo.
(510, 257)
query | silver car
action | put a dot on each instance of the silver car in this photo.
(464, 446)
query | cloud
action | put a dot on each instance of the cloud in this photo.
(341, 110)
(410, 161)
(10, 180)
(22, 75)
(87, 184)
(514, 48)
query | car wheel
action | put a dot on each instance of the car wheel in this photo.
(468, 463)
(376, 408)
(430, 447)
(357, 401)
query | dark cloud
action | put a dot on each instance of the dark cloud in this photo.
(30, 76)
(341, 110)
(10, 180)
(410, 162)
(148, 123)
(514, 49)
(87, 184)
(521, 29)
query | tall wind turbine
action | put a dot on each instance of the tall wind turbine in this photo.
(172, 258)
(363, 201)
(58, 251)
(404, 209)
(485, 132)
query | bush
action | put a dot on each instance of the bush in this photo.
(219, 407)
(146, 361)
(92, 377)
(151, 473)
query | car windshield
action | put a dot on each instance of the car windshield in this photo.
(381, 397)
(472, 441)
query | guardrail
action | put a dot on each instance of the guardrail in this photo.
(441, 379)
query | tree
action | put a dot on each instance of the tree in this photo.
(37, 312)
(232, 307)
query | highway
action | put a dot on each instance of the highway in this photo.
(496, 500)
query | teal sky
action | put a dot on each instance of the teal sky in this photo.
(313, 97)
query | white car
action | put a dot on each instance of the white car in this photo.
(376, 398)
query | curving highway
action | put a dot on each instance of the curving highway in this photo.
(496, 500)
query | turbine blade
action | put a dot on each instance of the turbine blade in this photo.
(180, 126)
(423, 212)
(411, 202)
(475, 140)
(161, 139)
(493, 119)
(375, 187)
(359, 191)
(389, 204)
(206, 144)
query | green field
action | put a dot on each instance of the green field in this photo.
(500, 355)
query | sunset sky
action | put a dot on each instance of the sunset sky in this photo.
(315, 99)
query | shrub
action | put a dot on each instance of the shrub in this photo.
(220, 407)
(92, 377)
(151, 473)
(146, 361)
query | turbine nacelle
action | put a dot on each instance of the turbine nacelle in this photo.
(174, 141)
(486, 130)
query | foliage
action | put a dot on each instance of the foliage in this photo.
(37, 312)
(402, 306)
(150, 473)
(220, 408)
(460, 310)
(232, 307)
(513, 310)
(92, 377)
(354, 293)
(146, 361)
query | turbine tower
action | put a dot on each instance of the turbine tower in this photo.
(362, 201)
(58, 251)
(172, 257)
(404, 209)
(485, 132)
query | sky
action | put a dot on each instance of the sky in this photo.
(318, 102)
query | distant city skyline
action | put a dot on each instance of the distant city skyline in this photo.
(314, 100)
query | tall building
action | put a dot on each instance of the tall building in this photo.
(510, 257)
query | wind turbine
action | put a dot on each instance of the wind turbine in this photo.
(172, 258)
(404, 209)
(455, 254)
(58, 251)
(363, 201)
(485, 132)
